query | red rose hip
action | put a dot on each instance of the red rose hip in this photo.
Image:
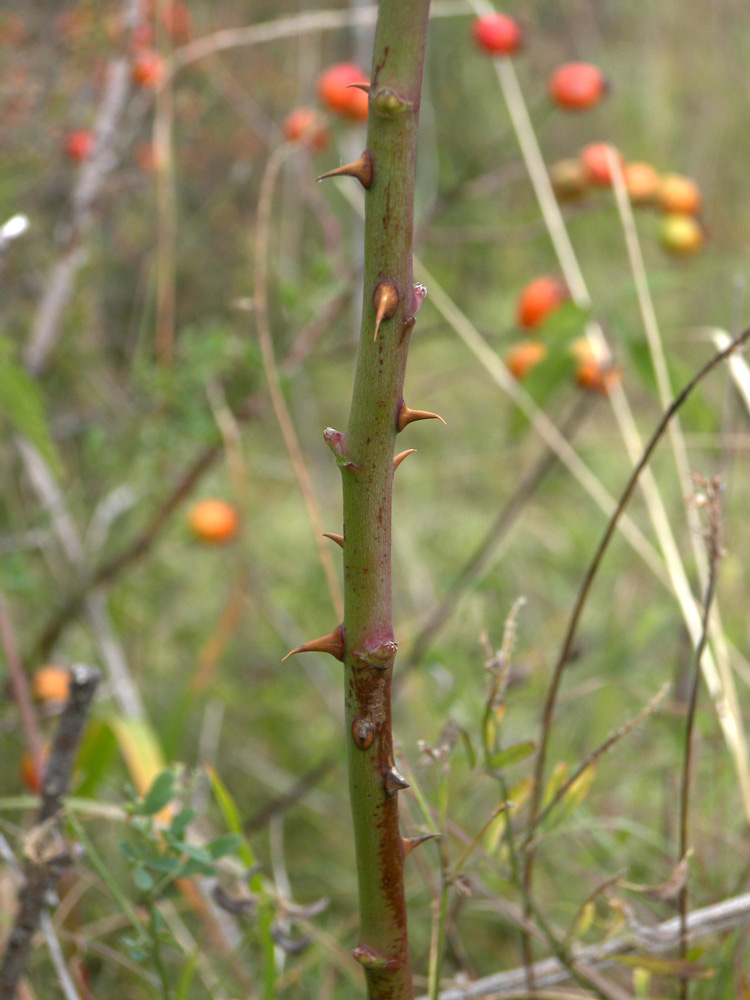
(596, 159)
(497, 34)
(540, 298)
(78, 145)
(577, 86)
(337, 93)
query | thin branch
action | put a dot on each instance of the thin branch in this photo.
(711, 500)
(305, 342)
(124, 687)
(46, 852)
(89, 182)
(481, 559)
(595, 754)
(654, 939)
(56, 956)
(567, 646)
(286, 425)
(293, 27)
(20, 688)
(718, 676)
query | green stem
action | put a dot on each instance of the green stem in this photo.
(156, 947)
(365, 454)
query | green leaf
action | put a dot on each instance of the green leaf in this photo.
(130, 851)
(170, 866)
(193, 867)
(142, 879)
(512, 755)
(181, 822)
(159, 794)
(186, 977)
(228, 844)
(231, 814)
(22, 404)
(95, 756)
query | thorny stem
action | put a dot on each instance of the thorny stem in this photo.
(365, 454)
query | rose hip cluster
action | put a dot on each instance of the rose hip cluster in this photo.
(576, 87)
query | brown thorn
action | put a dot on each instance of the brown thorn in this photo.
(361, 169)
(398, 459)
(338, 539)
(406, 416)
(411, 842)
(394, 782)
(385, 300)
(360, 86)
(332, 643)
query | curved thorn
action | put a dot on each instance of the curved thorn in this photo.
(359, 86)
(398, 459)
(411, 842)
(332, 643)
(338, 539)
(385, 302)
(407, 416)
(361, 169)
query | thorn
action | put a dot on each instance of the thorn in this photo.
(385, 303)
(338, 539)
(361, 169)
(393, 782)
(332, 643)
(398, 459)
(335, 441)
(411, 842)
(420, 294)
(371, 959)
(360, 86)
(406, 416)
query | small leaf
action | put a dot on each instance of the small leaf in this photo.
(574, 795)
(181, 822)
(196, 853)
(159, 794)
(584, 918)
(22, 405)
(468, 747)
(230, 812)
(130, 851)
(512, 755)
(227, 844)
(557, 780)
(170, 866)
(142, 879)
(193, 867)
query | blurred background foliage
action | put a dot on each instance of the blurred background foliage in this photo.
(203, 628)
